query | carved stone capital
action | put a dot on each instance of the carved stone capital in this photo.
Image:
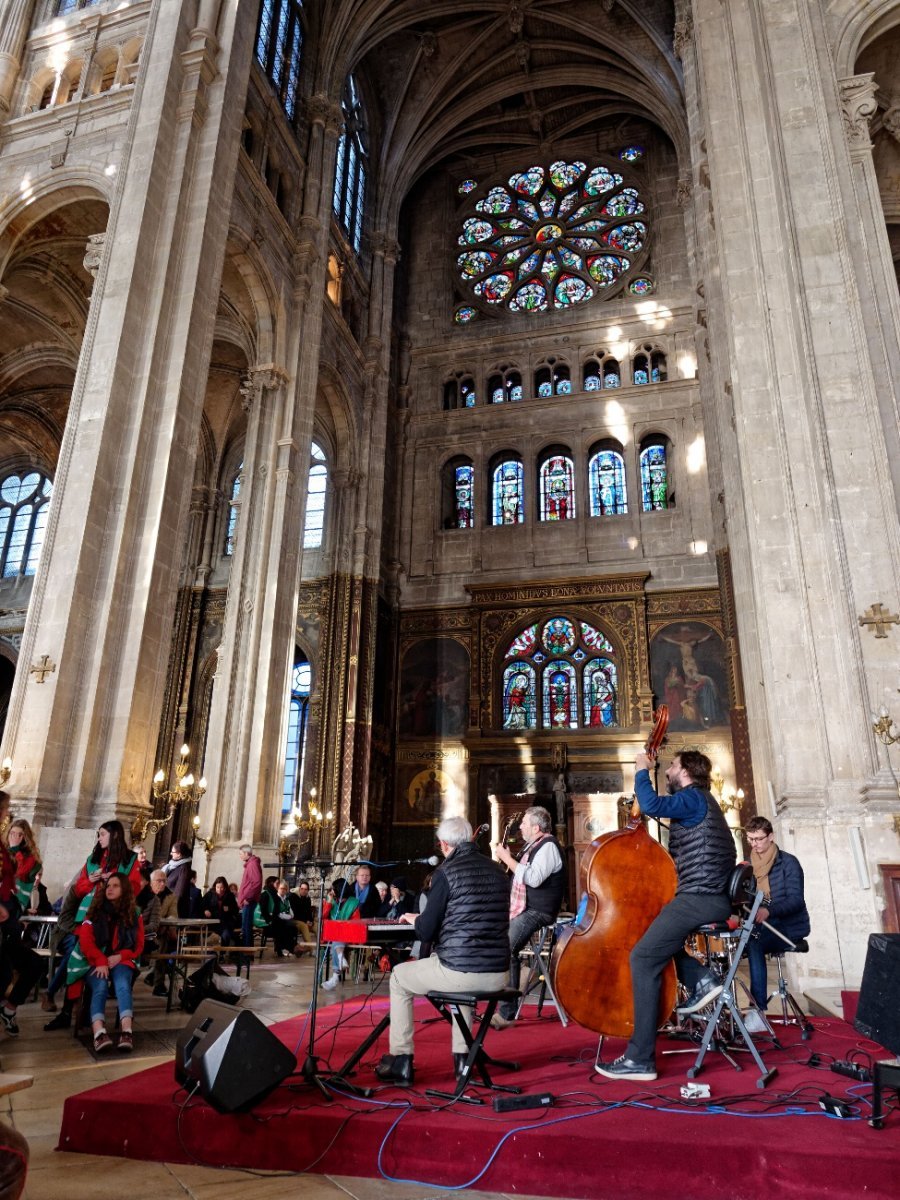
(93, 253)
(322, 110)
(429, 44)
(266, 377)
(684, 33)
(858, 106)
(683, 192)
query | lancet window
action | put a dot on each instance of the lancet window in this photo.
(508, 492)
(352, 166)
(316, 492)
(298, 721)
(654, 474)
(557, 486)
(279, 49)
(24, 503)
(234, 507)
(606, 481)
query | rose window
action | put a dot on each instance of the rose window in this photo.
(551, 238)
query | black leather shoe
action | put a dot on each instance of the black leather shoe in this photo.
(627, 1068)
(708, 989)
(459, 1062)
(62, 1020)
(396, 1068)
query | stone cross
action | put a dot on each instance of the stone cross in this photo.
(878, 617)
(43, 667)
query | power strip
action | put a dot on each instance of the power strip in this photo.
(835, 1107)
(852, 1071)
(515, 1103)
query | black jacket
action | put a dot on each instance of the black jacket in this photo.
(704, 854)
(467, 915)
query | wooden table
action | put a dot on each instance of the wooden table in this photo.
(44, 945)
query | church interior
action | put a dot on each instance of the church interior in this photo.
(613, 285)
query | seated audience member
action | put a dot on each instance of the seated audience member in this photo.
(16, 959)
(66, 941)
(368, 902)
(178, 876)
(112, 938)
(195, 896)
(267, 906)
(166, 935)
(398, 902)
(301, 904)
(283, 926)
(381, 888)
(149, 902)
(344, 908)
(779, 877)
(39, 905)
(145, 866)
(27, 859)
(220, 903)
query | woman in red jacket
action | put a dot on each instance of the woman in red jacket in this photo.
(112, 938)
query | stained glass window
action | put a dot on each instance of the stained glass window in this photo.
(464, 493)
(467, 392)
(24, 502)
(64, 7)
(464, 314)
(654, 478)
(509, 493)
(279, 49)
(631, 153)
(600, 693)
(571, 666)
(298, 720)
(560, 699)
(467, 185)
(234, 507)
(524, 643)
(606, 471)
(519, 706)
(351, 168)
(557, 483)
(640, 372)
(315, 499)
(552, 237)
(611, 376)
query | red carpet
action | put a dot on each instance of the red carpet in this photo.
(744, 1143)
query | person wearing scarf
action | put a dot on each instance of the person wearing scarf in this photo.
(178, 876)
(26, 856)
(110, 854)
(538, 886)
(345, 908)
(112, 939)
(779, 877)
(16, 960)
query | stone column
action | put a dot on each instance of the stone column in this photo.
(83, 741)
(250, 697)
(808, 497)
(15, 22)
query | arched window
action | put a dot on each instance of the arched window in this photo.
(315, 498)
(234, 507)
(592, 376)
(571, 665)
(649, 366)
(550, 237)
(606, 478)
(560, 701)
(612, 377)
(658, 372)
(298, 722)
(508, 493)
(24, 501)
(458, 493)
(552, 378)
(557, 486)
(519, 706)
(654, 474)
(459, 392)
(504, 383)
(600, 693)
(64, 7)
(279, 48)
(640, 369)
(352, 166)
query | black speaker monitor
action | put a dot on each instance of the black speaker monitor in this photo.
(235, 1059)
(878, 1012)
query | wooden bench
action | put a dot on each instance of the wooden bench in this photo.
(243, 955)
(180, 961)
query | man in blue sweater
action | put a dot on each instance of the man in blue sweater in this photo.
(701, 844)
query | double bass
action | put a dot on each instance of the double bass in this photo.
(626, 879)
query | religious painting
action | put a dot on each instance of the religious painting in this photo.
(434, 689)
(426, 794)
(688, 672)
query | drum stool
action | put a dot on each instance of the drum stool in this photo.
(788, 1003)
(541, 944)
(450, 1005)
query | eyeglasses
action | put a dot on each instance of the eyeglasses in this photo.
(757, 840)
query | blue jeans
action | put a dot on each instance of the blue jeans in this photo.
(763, 943)
(521, 928)
(248, 912)
(63, 950)
(122, 978)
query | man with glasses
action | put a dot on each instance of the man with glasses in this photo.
(779, 877)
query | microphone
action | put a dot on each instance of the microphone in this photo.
(431, 861)
(480, 830)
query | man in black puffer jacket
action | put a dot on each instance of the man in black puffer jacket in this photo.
(467, 921)
(703, 848)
